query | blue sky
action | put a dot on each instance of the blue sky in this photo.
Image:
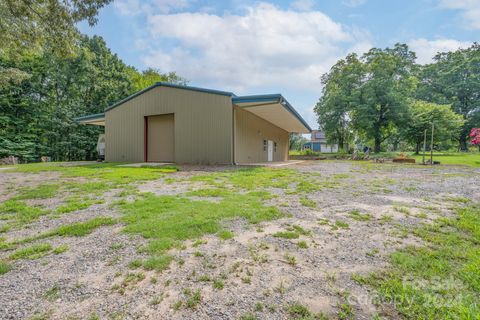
(252, 47)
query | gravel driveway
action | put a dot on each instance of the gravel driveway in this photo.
(348, 229)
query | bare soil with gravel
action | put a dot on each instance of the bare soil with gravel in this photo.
(261, 275)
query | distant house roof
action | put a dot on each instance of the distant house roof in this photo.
(317, 134)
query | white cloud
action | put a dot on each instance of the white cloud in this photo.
(128, 7)
(427, 49)
(353, 3)
(302, 5)
(265, 47)
(470, 11)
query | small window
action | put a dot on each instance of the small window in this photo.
(274, 147)
(265, 143)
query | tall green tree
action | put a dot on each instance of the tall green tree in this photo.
(296, 141)
(146, 78)
(31, 26)
(37, 114)
(447, 123)
(22, 111)
(86, 83)
(387, 83)
(454, 78)
(368, 95)
(340, 92)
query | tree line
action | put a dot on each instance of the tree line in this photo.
(384, 100)
(50, 74)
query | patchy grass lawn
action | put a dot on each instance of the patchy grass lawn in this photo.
(440, 280)
(310, 241)
(168, 220)
(471, 159)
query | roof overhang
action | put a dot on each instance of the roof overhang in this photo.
(93, 119)
(275, 109)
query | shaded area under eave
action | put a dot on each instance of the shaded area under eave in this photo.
(275, 109)
(93, 119)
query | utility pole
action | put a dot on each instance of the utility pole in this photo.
(424, 145)
(431, 148)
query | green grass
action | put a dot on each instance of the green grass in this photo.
(291, 260)
(261, 179)
(159, 262)
(471, 159)
(257, 178)
(60, 249)
(341, 224)
(76, 203)
(5, 228)
(43, 191)
(440, 280)
(80, 229)
(306, 202)
(248, 316)
(193, 298)
(135, 264)
(458, 199)
(292, 232)
(168, 220)
(102, 178)
(4, 267)
(358, 216)
(53, 293)
(34, 252)
(287, 234)
(225, 234)
(210, 192)
(17, 212)
(4, 245)
(102, 171)
(218, 284)
(299, 311)
(302, 244)
(403, 210)
(77, 229)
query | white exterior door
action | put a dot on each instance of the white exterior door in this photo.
(270, 150)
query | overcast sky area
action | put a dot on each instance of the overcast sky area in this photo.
(252, 47)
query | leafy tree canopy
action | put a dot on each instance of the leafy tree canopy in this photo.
(37, 113)
(32, 26)
(454, 78)
(146, 78)
(368, 94)
(447, 123)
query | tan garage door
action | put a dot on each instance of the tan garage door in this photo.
(160, 138)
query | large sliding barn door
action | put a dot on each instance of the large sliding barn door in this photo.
(160, 138)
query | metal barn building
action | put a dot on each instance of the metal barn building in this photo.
(183, 124)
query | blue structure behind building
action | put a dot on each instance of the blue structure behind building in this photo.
(314, 146)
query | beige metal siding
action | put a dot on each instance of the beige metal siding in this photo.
(203, 125)
(161, 138)
(250, 131)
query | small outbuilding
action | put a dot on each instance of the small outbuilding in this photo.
(183, 124)
(318, 143)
